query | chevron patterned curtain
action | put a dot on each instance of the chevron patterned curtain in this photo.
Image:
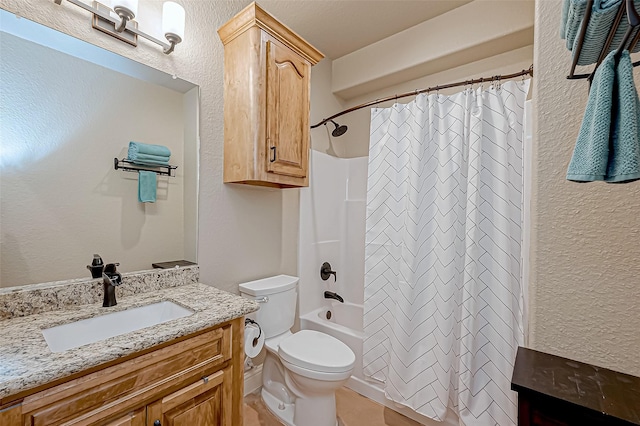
(443, 297)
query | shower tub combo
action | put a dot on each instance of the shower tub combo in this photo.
(344, 321)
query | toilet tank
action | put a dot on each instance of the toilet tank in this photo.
(277, 297)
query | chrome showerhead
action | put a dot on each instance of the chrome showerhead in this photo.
(339, 129)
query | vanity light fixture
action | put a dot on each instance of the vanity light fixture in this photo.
(119, 22)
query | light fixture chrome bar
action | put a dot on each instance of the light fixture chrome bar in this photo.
(147, 36)
(167, 47)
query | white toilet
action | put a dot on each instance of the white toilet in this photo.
(302, 370)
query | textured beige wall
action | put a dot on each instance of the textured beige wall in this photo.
(470, 33)
(585, 292)
(240, 229)
(325, 104)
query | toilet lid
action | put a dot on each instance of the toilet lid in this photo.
(317, 351)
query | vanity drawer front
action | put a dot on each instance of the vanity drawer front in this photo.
(132, 383)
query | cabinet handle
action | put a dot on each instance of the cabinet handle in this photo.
(157, 423)
(273, 152)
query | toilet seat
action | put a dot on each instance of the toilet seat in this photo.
(317, 352)
(317, 375)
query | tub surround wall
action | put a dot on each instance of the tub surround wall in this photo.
(332, 213)
(45, 297)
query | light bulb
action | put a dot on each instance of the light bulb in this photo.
(130, 5)
(173, 19)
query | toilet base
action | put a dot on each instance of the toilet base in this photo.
(286, 414)
(273, 404)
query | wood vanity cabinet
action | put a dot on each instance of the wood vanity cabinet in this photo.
(193, 381)
(267, 83)
(205, 402)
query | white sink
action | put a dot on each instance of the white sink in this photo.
(91, 330)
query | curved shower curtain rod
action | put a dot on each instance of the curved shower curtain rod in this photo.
(430, 89)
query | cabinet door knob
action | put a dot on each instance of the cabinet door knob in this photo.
(273, 154)
(157, 423)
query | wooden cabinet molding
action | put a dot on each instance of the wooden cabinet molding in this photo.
(204, 372)
(135, 418)
(255, 16)
(267, 85)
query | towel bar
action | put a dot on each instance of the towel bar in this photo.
(161, 170)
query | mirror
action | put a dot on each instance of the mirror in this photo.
(67, 109)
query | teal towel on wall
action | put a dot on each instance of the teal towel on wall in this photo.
(603, 14)
(624, 155)
(591, 153)
(146, 186)
(136, 148)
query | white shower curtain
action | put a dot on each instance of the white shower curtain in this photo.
(443, 296)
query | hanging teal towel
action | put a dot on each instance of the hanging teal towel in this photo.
(624, 156)
(591, 153)
(136, 148)
(146, 187)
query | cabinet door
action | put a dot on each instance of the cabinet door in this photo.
(135, 418)
(287, 112)
(208, 402)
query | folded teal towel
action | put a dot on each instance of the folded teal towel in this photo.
(591, 153)
(624, 156)
(136, 148)
(146, 187)
(603, 14)
(150, 159)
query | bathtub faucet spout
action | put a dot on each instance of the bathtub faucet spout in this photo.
(332, 295)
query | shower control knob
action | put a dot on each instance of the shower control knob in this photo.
(326, 272)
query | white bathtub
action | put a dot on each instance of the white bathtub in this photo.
(344, 322)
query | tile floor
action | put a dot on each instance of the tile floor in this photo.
(353, 410)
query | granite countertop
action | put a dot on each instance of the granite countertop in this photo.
(26, 361)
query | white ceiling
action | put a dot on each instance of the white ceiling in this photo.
(340, 27)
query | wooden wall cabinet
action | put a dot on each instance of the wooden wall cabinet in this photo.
(267, 83)
(197, 381)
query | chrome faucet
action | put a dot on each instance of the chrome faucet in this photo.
(110, 280)
(332, 295)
